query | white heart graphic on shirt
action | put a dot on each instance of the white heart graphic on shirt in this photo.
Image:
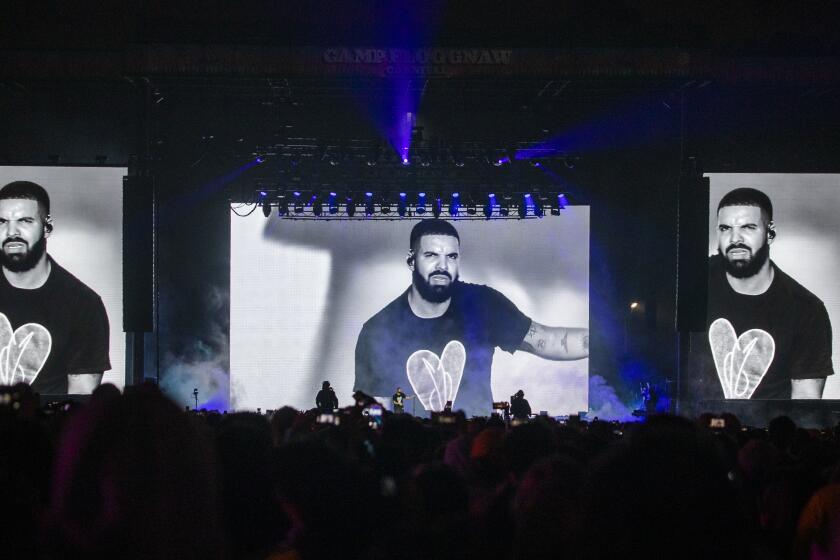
(741, 361)
(23, 352)
(434, 379)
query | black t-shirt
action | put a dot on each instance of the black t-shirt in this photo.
(51, 332)
(785, 331)
(445, 358)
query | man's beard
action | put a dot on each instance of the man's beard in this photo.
(745, 268)
(21, 262)
(433, 293)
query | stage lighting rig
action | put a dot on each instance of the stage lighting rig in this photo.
(389, 205)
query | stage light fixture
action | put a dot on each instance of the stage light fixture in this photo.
(401, 205)
(266, 208)
(332, 205)
(522, 207)
(562, 202)
(283, 208)
(298, 205)
(420, 209)
(369, 207)
(538, 208)
(454, 204)
(351, 206)
(488, 206)
(384, 203)
(436, 207)
(317, 205)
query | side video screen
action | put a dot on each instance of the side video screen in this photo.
(774, 301)
(59, 328)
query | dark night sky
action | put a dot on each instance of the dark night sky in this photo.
(741, 28)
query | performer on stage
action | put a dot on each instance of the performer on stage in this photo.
(398, 400)
(769, 337)
(55, 326)
(519, 406)
(440, 334)
(326, 399)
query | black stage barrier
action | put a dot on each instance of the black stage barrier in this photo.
(758, 413)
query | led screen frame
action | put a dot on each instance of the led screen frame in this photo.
(87, 213)
(807, 245)
(301, 290)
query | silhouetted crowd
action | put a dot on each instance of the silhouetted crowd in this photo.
(134, 476)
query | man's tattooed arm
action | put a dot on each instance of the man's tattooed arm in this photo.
(556, 343)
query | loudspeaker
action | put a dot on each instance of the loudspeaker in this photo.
(138, 254)
(693, 257)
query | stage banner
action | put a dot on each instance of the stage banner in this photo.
(301, 292)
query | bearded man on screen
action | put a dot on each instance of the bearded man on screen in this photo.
(769, 337)
(441, 333)
(53, 328)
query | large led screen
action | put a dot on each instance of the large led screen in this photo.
(301, 291)
(773, 318)
(86, 241)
